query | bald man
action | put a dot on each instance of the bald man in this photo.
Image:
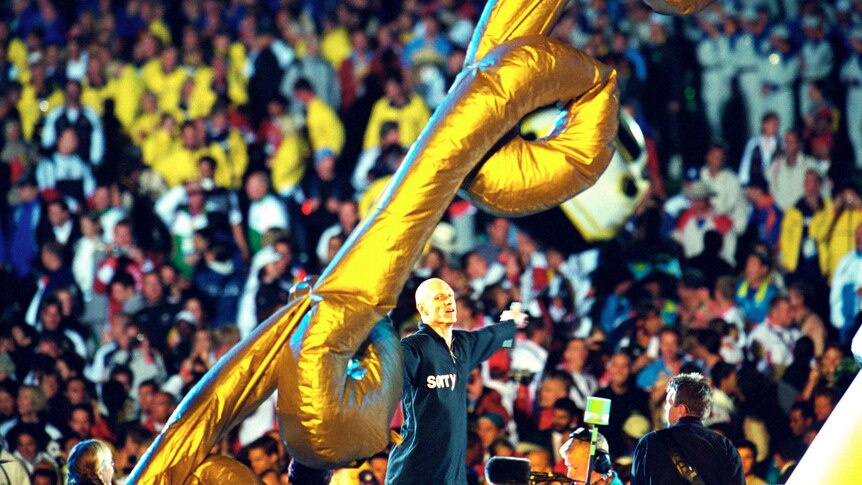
(437, 364)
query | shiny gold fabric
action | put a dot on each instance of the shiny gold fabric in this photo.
(331, 353)
(678, 7)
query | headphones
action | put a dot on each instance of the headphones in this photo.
(601, 460)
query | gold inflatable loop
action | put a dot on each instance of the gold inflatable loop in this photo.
(332, 353)
(524, 176)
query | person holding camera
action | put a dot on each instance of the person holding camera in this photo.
(835, 232)
(437, 364)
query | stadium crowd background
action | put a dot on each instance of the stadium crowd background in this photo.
(171, 169)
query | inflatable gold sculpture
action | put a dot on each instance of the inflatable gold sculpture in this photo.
(331, 352)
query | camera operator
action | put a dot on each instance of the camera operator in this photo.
(576, 454)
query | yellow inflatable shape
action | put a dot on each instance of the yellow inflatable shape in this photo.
(331, 352)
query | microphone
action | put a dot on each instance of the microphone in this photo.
(502, 470)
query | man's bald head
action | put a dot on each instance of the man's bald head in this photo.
(435, 302)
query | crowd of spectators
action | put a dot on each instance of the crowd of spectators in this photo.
(170, 169)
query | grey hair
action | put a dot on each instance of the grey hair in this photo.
(692, 390)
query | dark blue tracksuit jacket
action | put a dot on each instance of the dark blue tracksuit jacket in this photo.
(434, 400)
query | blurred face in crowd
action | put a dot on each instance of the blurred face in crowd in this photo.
(823, 407)
(66, 301)
(193, 306)
(746, 454)
(576, 354)
(769, 126)
(76, 391)
(830, 360)
(7, 403)
(25, 401)
(27, 446)
(161, 407)
(50, 316)
(57, 215)
(540, 461)
(68, 142)
(476, 266)
(73, 92)
(782, 314)
(799, 424)
(260, 461)
(189, 136)
(196, 197)
(488, 431)
(145, 397)
(755, 270)
(561, 420)
(619, 369)
(791, 143)
(51, 261)
(123, 235)
(80, 423)
(797, 301)
(50, 385)
(151, 287)
(669, 346)
(474, 384)
(551, 390)
(169, 59)
(392, 89)
(715, 159)
(255, 187)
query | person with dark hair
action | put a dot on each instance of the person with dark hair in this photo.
(220, 282)
(802, 295)
(748, 454)
(81, 121)
(756, 289)
(801, 419)
(694, 300)
(709, 262)
(724, 392)
(626, 398)
(686, 448)
(266, 74)
(263, 455)
(399, 105)
(81, 420)
(44, 476)
(325, 131)
(786, 456)
(705, 347)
